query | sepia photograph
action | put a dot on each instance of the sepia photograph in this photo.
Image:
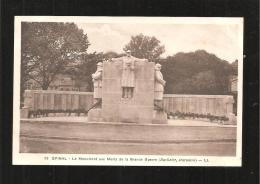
(145, 91)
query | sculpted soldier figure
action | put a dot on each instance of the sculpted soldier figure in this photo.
(128, 74)
(159, 83)
(97, 81)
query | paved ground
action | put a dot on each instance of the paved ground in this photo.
(38, 145)
(76, 135)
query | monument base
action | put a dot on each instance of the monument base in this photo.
(159, 117)
(95, 115)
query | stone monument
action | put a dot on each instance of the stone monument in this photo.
(128, 92)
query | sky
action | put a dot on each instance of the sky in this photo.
(219, 39)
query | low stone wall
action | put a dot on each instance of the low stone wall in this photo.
(219, 105)
(53, 100)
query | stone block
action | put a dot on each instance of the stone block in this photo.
(112, 70)
(145, 114)
(144, 85)
(52, 105)
(28, 98)
(111, 85)
(145, 72)
(144, 99)
(145, 121)
(95, 115)
(126, 101)
(24, 112)
(135, 113)
(159, 117)
(45, 101)
(138, 109)
(111, 98)
(128, 113)
(68, 101)
(110, 112)
(75, 101)
(82, 101)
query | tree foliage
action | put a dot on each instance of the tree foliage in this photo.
(147, 47)
(81, 72)
(201, 83)
(196, 73)
(110, 55)
(47, 48)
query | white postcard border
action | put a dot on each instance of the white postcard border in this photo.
(128, 160)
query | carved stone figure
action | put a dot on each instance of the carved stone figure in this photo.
(97, 81)
(128, 74)
(159, 83)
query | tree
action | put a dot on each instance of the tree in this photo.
(196, 73)
(81, 72)
(201, 83)
(147, 47)
(47, 48)
(111, 54)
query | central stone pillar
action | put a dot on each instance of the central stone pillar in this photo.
(137, 109)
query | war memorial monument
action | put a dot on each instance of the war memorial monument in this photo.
(128, 89)
(83, 97)
(128, 113)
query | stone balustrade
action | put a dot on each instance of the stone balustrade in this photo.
(219, 105)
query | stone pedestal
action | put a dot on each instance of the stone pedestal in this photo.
(139, 108)
(94, 115)
(159, 117)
